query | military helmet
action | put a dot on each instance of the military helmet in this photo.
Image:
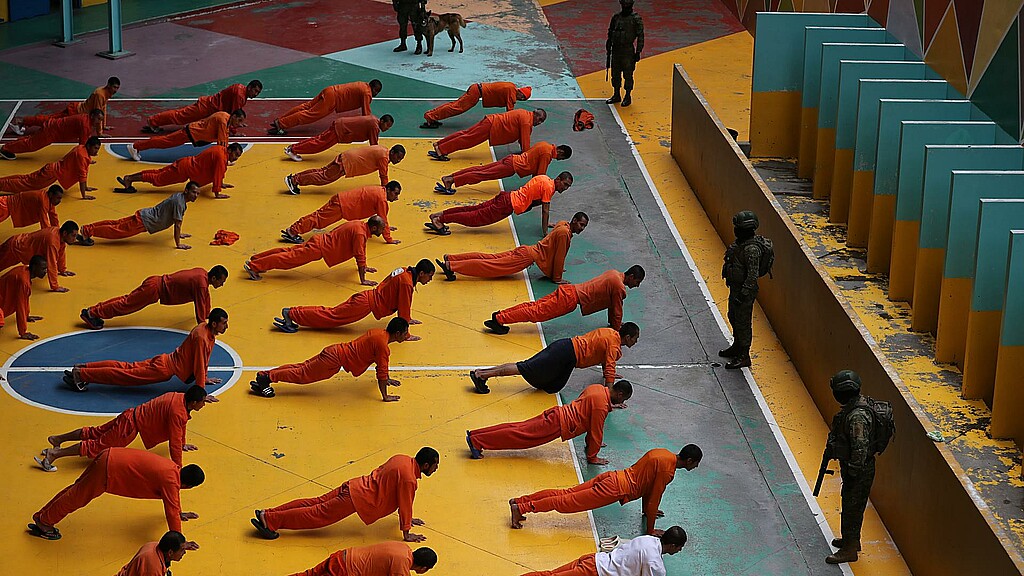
(745, 220)
(845, 380)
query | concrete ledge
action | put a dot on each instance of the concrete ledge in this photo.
(920, 491)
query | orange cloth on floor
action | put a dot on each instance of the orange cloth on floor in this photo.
(188, 362)
(344, 130)
(339, 245)
(605, 291)
(122, 472)
(148, 561)
(476, 174)
(535, 160)
(162, 419)
(549, 254)
(354, 357)
(559, 303)
(184, 286)
(224, 238)
(115, 229)
(355, 204)
(602, 346)
(227, 100)
(586, 415)
(531, 433)
(45, 242)
(647, 479)
(384, 559)
(582, 566)
(601, 490)
(29, 208)
(72, 169)
(15, 290)
(364, 160)
(311, 513)
(392, 486)
(484, 265)
(509, 127)
(76, 128)
(538, 190)
(338, 98)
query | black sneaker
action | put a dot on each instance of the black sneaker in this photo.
(84, 240)
(292, 238)
(430, 125)
(6, 155)
(293, 188)
(69, 379)
(479, 384)
(494, 326)
(91, 321)
(262, 529)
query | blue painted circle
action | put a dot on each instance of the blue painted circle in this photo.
(162, 156)
(34, 374)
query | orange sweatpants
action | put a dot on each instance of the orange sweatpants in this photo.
(476, 134)
(462, 105)
(285, 258)
(307, 112)
(117, 373)
(476, 174)
(116, 433)
(32, 142)
(91, 484)
(176, 138)
(319, 176)
(182, 116)
(326, 215)
(316, 144)
(531, 433)
(115, 229)
(352, 310)
(601, 490)
(310, 513)
(163, 176)
(40, 119)
(582, 566)
(313, 370)
(37, 180)
(146, 294)
(559, 303)
(484, 265)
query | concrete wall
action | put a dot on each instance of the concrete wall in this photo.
(919, 489)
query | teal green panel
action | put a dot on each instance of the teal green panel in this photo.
(814, 37)
(966, 192)
(997, 218)
(914, 135)
(870, 92)
(28, 84)
(831, 55)
(1013, 303)
(779, 46)
(851, 76)
(998, 92)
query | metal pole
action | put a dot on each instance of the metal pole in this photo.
(116, 49)
(67, 25)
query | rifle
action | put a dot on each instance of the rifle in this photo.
(825, 458)
(607, 64)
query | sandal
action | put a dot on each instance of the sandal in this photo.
(261, 390)
(440, 189)
(44, 462)
(262, 529)
(70, 381)
(438, 156)
(35, 530)
(441, 230)
(449, 276)
(276, 132)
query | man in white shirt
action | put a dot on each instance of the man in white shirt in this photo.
(640, 556)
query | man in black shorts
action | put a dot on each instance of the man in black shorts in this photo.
(549, 369)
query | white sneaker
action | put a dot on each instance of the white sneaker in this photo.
(18, 129)
(288, 152)
(134, 153)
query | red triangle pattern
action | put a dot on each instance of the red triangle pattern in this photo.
(879, 10)
(968, 19)
(933, 13)
(849, 6)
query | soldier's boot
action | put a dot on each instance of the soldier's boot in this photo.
(838, 543)
(843, 555)
(627, 100)
(730, 352)
(615, 97)
(739, 362)
(401, 47)
(419, 47)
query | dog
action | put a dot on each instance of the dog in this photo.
(450, 22)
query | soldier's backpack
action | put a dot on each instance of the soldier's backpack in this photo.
(883, 424)
(767, 260)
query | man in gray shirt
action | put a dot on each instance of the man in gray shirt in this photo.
(168, 213)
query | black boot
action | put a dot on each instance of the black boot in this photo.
(419, 47)
(615, 98)
(739, 362)
(627, 100)
(401, 47)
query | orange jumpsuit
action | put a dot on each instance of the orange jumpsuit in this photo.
(353, 357)
(115, 229)
(338, 98)
(503, 128)
(188, 362)
(549, 255)
(122, 472)
(15, 289)
(392, 486)
(77, 128)
(393, 294)
(355, 204)
(585, 414)
(29, 208)
(351, 163)
(227, 100)
(191, 285)
(72, 169)
(532, 162)
(339, 245)
(601, 346)
(605, 291)
(162, 419)
(45, 242)
(582, 566)
(342, 131)
(384, 559)
(494, 95)
(97, 100)
(213, 128)
(209, 166)
(538, 190)
(148, 561)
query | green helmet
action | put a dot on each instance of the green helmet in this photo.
(745, 220)
(845, 380)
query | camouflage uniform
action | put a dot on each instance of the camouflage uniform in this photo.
(850, 443)
(623, 31)
(410, 11)
(742, 263)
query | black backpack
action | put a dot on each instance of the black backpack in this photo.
(767, 255)
(884, 426)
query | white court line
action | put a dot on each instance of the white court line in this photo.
(805, 489)
(10, 118)
(286, 99)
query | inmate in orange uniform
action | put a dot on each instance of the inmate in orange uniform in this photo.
(494, 95)
(351, 163)
(549, 255)
(15, 289)
(393, 294)
(532, 162)
(96, 101)
(162, 419)
(538, 190)
(585, 414)
(342, 131)
(583, 566)
(384, 559)
(148, 561)
(353, 357)
(392, 486)
(600, 347)
(182, 287)
(45, 242)
(646, 479)
(188, 362)
(213, 128)
(227, 100)
(339, 245)
(72, 169)
(122, 472)
(503, 128)
(209, 166)
(29, 208)
(338, 98)
(355, 204)
(605, 291)
(77, 128)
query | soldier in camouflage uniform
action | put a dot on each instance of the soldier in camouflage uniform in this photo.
(626, 28)
(414, 12)
(850, 443)
(740, 270)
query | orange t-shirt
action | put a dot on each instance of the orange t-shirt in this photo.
(97, 101)
(163, 419)
(363, 160)
(498, 94)
(647, 479)
(45, 242)
(392, 486)
(213, 128)
(351, 96)
(357, 129)
(508, 127)
(148, 561)
(73, 168)
(30, 208)
(15, 289)
(360, 203)
(192, 358)
(393, 294)
(183, 286)
(549, 254)
(535, 160)
(227, 100)
(602, 346)
(209, 166)
(384, 559)
(74, 128)
(370, 348)
(134, 473)
(343, 243)
(605, 291)
(587, 414)
(538, 190)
